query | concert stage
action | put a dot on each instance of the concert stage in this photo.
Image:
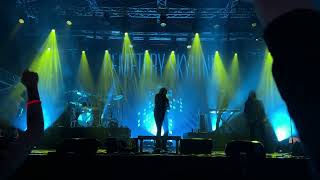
(46, 164)
(101, 64)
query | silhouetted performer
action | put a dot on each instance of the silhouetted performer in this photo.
(256, 117)
(219, 117)
(161, 106)
(15, 152)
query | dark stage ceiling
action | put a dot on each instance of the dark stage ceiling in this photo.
(108, 19)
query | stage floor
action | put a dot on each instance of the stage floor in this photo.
(214, 154)
(46, 164)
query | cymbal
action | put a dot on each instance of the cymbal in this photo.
(118, 97)
(78, 93)
(223, 110)
(75, 103)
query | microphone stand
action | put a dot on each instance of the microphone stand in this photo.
(291, 135)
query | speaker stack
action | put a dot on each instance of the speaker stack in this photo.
(196, 146)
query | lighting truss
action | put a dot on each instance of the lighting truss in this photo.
(232, 10)
(173, 13)
(162, 36)
(136, 12)
(162, 3)
(28, 8)
(93, 5)
(7, 80)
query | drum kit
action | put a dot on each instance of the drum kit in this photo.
(89, 110)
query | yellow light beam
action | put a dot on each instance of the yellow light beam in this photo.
(267, 88)
(85, 75)
(220, 78)
(234, 74)
(47, 64)
(128, 67)
(51, 86)
(197, 67)
(148, 76)
(106, 78)
(170, 71)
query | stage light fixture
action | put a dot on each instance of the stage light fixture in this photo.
(106, 51)
(126, 34)
(83, 52)
(217, 52)
(189, 46)
(21, 21)
(53, 30)
(253, 25)
(172, 52)
(49, 49)
(163, 20)
(69, 23)
(131, 46)
(216, 26)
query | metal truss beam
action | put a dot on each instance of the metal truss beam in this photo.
(231, 5)
(230, 11)
(162, 3)
(136, 12)
(161, 36)
(28, 8)
(153, 13)
(7, 80)
(93, 5)
(230, 8)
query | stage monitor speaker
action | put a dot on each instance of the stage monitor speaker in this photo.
(298, 149)
(196, 146)
(82, 146)
(247, 149)
(3, 143)
(126, 145)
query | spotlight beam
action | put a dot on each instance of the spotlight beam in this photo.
(84, 74)
(51, 86)
(220, 77)
(127, 69)
(275, 107)
(170, 75)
